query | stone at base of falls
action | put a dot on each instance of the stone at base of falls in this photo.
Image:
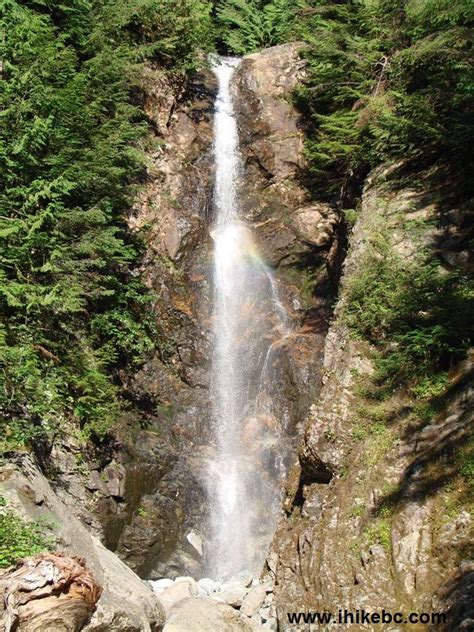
(256, 624)
(182, 588)
(244, 577)
(127, 603)
(253, 600)
(208, 586)
(271, 624)
(232, 593)
(160, 584)
(205, 615)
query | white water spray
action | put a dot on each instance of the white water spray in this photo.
(245, 471)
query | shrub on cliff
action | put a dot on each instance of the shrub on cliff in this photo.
(417, 314)
(19, 538)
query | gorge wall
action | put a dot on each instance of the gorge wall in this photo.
(174, 214)
(373, 512)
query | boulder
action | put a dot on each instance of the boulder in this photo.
(244, 577)
(231, 593)
(208, 586)
(256, 624)
(271, 624)
(308, 229)
(114, 475)
(186, 578)
(253, 600)
(160, 584)
(315, 224)
(206, 615)
(177, 592)
(127, 602)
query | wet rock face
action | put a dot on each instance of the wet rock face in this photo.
(297, 235)
(164, 498)
(174, 212)
(146, 494)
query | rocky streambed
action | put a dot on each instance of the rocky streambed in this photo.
(240, 604)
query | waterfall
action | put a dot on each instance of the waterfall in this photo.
(245, 470)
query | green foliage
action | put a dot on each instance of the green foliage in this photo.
(359, 432)
(168, 31)
(371, 427)
(71, 311)
(248, 25)
(416, 313)
(387, 80)
(379, 532)
(465, 460)
(357, 511)
(19, 538)
(350, 216)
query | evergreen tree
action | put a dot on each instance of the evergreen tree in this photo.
(71, 125)
(387, 80)
(248, 25)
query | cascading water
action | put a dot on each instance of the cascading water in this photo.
(245, 471)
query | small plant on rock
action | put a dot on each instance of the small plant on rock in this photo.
(19, 538)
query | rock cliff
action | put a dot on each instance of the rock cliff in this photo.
(143, 496)
(174, 215)
(376, 508)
